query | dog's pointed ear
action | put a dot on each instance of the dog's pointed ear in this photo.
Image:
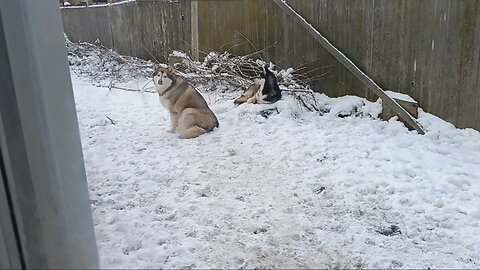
(265, 69)
(171, 69)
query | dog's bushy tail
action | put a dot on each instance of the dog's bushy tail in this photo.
(247, 95)
(192, 132)
(241, 100)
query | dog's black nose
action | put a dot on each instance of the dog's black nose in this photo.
(160, 81)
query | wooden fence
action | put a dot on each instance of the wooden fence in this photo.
(136, 28)
(429, 49)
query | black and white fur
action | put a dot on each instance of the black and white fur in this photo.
(264, 90)
(269, 91)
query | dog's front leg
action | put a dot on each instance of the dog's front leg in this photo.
(251, 100)
(173, 122)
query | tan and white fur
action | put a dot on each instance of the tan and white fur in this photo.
(253, 94)
(190, 115)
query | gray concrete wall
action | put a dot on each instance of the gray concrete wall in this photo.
(428, 49)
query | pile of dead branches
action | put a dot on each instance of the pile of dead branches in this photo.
(222, 72)
(103, 65)
(238, 72)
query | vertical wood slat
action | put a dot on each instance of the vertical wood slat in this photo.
(470, 37)
(194, 30)
(452, 57)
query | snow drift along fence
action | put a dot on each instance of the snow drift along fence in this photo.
(427, 49)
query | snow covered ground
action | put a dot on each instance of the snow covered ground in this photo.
(295, 190)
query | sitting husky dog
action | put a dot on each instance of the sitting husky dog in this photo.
(190, 115)
(264, 90)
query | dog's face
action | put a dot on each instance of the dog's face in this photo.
(265, 71)
(163, 77)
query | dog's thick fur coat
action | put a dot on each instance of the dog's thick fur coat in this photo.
(190, 115)
(263, 90)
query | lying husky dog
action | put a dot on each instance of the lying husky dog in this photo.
(263, 90)
(190, 115)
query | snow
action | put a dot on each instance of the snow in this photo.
(399, 96)
(122, 2)
(297, 189)
(336, 187)
(179, 54)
